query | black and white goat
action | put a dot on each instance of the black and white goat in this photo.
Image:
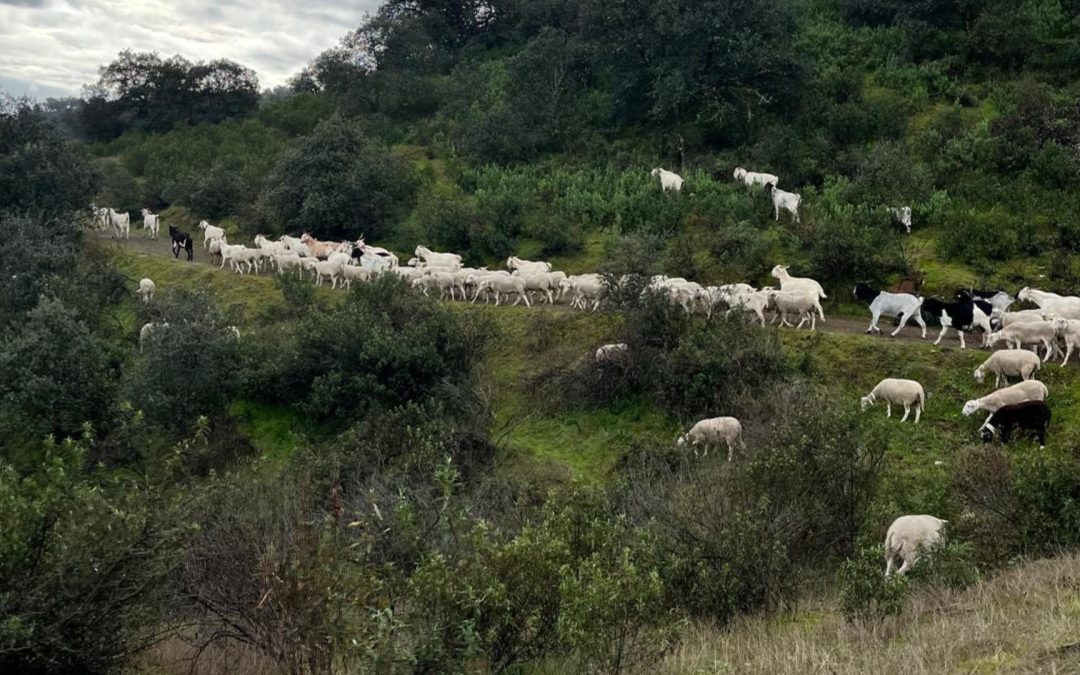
(180, 240)
(963, 316)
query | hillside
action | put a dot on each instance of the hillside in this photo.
(251, 474)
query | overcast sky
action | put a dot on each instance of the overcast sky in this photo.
(53, 47)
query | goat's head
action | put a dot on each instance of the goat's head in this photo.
(779, 271)
(739, 173)
(655, 172)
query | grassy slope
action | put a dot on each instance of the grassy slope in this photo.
(1025, 620)
(584, 444)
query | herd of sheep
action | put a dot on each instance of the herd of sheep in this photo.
(1020, 406)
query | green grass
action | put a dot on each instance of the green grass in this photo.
(585, 444)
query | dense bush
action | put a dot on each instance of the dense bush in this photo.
(338, 183)
(384, 347)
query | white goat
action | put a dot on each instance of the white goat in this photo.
(1064, 306)
(752, 178)
(515, 264)
(210, 232)
(907, 393)
(713, 431)
(788, 201)
(1009, 362)
(902, 215)
(905, 306)
(121, 224)
(669, 181)
(151, 224)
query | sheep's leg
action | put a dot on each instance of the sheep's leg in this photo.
(1068, 353)
(776, 212)
(1049, 349)
(890, 565)
(907, 411)
(730, 451)
(888, 409)
(907, 565)
(918, 412)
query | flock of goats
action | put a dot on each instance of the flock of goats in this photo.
(1021, 406)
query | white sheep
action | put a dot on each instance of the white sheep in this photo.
(907, 537)
(752, 178)
(612, 354)
(588, 289)
(756, 302)
(1070, 333)
(669, 181)
(151, 224)
(788, 201)
(327, 270)
(907, 393)
(350, 273)
(146, 289)
(1009, 362)
(544, 283)
(210, 233)
(790, 283)
(1025, 315)
(504, 285)
(147, 330)
(1029, 332)
(801, 302)
(288, 261)
(713, 431)
(1029, 390)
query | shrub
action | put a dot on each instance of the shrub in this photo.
(866, 594)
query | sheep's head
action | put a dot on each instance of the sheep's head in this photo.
(655, 172)
(980, 374)
(681, 440)
(970, 407)
(779, 272)
(739, 173)
(865, 402)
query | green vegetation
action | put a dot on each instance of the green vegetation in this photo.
(374, 480)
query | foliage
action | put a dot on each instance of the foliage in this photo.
(41, 172)
(83, 560)
(148, 93)
(865, 592)
(34, 253)
(338, 183)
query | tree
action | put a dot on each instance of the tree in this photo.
(338, 183)
(55, 376)
(40, 171)
(33, 252)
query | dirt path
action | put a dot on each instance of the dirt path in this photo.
(161, 249)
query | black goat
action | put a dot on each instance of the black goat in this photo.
(963, 316)
(1033, 416)
(181, 240)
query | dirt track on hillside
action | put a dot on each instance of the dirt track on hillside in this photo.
(161, 249)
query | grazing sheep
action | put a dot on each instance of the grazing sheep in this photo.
(613, 354)
(669, 182)
(907, 537)
(151, 224)
(907, 393)
(712, 431)
(788, 201)
(902, 305)
(1033, 416)
(147, 330)
(1009, 362)
(146, 289)
(1029, 390)
(752, 178)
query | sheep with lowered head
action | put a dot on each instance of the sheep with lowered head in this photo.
(907, 393)
(1009, 362)
(713, 431)
(907, 537)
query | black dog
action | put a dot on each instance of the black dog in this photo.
(181, 240)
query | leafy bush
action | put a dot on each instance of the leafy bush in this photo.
(866, 594)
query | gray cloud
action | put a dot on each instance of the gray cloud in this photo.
(58, 45)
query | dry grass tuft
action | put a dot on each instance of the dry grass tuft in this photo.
(1023, 621)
